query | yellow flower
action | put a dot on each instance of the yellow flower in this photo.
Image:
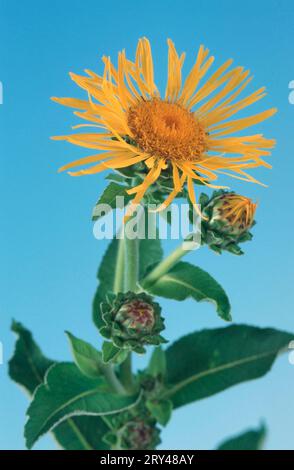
(186, 132)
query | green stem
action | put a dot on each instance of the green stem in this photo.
(132, 264)
(126, 373)
(119, 275)
(166, 264)
(131, 279)
(118, 286)
(112, 380)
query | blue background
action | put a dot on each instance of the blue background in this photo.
(49, 256)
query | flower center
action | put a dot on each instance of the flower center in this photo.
(167, 130)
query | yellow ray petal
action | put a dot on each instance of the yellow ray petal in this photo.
(72, 103)
(212, 83)
(174, 73)
(85, 161)
(197, 72)
(240, 124)
(178, 184)
(114, 163)
(232, 83)
(149, 179)
(192, 197)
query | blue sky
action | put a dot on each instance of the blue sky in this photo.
(49, 256)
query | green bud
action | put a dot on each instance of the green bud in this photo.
(132, 321)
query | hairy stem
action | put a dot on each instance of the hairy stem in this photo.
(126, 373)
(119, 276)
(118, 286)
(112, 380)
(132, 264)
(131, 279)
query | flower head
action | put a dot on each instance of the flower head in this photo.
(187, 134)
(131, 321)
(228, 219)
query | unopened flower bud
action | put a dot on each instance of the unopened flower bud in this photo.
(132, 321)
(139, 435)
(228, 219)
(133, 432)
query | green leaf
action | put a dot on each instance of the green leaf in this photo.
(210, 361)
(110, 353)
(82, 433)
(107, 275)
(108, 197)
(86, 357)
(27, 367)
(66, 393)
(150, 253)
(185, 280)
(252, 439)
(161, 410)
(117, 178)
(157, 364)
(99, 297)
